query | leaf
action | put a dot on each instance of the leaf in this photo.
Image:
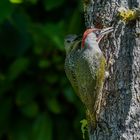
(18, 67)
(51, 4)
(74, 20)
(33, 1)
(16, 1)
(54, 105)
(69, 94)
(55, 32)
(42, 128)
(30, 110)
(44, 63)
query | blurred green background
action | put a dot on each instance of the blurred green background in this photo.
(36, 99)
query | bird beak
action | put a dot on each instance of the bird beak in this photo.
(104, 32)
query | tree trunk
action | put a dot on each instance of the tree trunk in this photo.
(120, 113)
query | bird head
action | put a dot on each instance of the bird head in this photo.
(94, 36)
(69, 42)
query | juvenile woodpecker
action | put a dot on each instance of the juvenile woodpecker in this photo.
(72, 46)
(85, 68)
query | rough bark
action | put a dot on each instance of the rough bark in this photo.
(120, 112)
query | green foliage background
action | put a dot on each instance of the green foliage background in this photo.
(36, 99)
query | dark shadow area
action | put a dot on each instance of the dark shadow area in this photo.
(36, 99)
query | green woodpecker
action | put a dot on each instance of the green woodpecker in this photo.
(85, 68)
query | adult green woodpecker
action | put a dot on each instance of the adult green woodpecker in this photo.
(85, 68)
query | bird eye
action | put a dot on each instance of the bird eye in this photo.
(97, 33)
(68, 41)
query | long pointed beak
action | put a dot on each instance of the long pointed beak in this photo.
(104, 32)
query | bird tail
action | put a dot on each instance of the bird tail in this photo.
(92, 121)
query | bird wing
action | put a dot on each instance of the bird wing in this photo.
(90, 74)
(70, 62)
(70, 71)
